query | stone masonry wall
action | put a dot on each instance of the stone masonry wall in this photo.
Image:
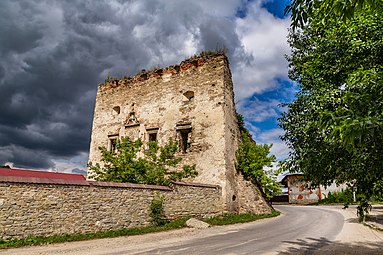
(252, 200)
(232, 139)
(42, 209)
(189, 199)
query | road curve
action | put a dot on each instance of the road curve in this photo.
(296, 225)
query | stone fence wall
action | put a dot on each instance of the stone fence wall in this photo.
(43, 207)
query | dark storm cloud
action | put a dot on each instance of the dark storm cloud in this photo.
(25, 158)
(54, 53)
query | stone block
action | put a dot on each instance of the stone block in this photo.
(194, 223)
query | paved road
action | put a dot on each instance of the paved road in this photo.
(263, 237)
(300, 230)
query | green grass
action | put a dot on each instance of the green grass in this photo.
(39, 240)
(227, 219)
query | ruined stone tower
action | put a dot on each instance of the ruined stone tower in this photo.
(193, 103)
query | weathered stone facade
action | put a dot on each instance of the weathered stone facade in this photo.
(193, 103)
(44, 209)
(251, 198)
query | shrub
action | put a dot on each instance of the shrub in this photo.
(157, 211)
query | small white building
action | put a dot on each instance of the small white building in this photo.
(299, 190)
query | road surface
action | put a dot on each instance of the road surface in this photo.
(299, 230)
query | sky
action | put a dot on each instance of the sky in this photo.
(53, 54)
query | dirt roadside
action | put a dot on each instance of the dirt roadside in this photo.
(136, 243)
(355, 238)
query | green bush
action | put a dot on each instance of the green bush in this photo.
(339, 197)
(123, 165)
(157, 211)
(345, 197)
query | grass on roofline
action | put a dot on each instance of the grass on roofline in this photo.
(225, 219)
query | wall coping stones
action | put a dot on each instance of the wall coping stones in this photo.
(36, 180)
(129, 185)
(195, 184)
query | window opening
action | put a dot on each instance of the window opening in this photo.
(184, 139)
(183, 136)
(116, 109)
(112, 144)
(152, 134)
(189, 95)
(153, 137)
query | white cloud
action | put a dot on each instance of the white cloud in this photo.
(252, 128)
(279, 148)
(256, 110)
(221, 8)
(271, 134)
(265, 38)
(68, 166)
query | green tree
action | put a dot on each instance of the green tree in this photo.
(251, 160)
(334, 127)
(302, 11)
(152, 167)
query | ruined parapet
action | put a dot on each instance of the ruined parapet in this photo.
(159, 73)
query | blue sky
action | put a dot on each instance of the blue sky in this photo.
(262, 109)
(54, 53)
(276, 7)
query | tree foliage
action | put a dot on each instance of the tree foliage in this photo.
(302, 11)
(151, 167)
(251, 160)
(335, 125)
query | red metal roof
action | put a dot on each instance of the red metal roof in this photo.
(18, 179)
(40, 174)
